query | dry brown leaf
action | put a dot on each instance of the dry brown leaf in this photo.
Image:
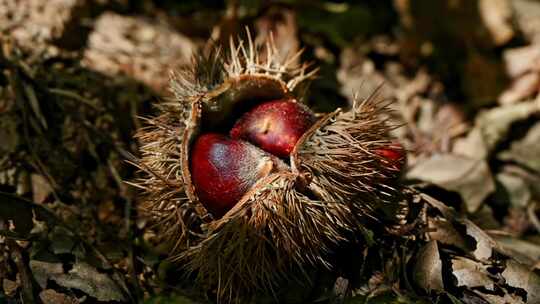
(471, 178)
(428, 268)
(35, 21)
(492, 126)
(527, 16)
(135, 47)
(516, 275)
(10, 287)
(86, 278)
(50, 296)
(471, 274)
(526, 151)
(443, 232)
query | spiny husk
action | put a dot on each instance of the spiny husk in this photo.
(289, 221)
(272, 233)
(339, 154)
(165, 202)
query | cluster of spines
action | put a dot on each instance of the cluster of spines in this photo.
(339, 155)
(245, 60)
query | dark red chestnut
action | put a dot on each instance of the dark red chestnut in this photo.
(394, 155)
(275, 126)
(224, 169)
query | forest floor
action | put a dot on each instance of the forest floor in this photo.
(78, 77)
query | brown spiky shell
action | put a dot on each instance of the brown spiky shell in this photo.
(291, 219)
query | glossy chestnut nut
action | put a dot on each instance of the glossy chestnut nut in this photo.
(274, 126)
(224, 169)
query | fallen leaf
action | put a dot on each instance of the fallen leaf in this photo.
(50, 296)
(470, 274)
(428, 268)
(495, 123)
(521, 60)
(518, 276)
(521, 88)
(512, 189)
(484, 243)
(138, 48)
(472, 145)
(527, 15)
(87, 279)
(41, 188)
(497, 17)
(10, 287)
(443, 232)
(61, 240)
(471, 178)
(502, 299)
(523, 251)
(42, 271)
(526, 151)
(491, 127)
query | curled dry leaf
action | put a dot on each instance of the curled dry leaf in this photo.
(463, 234)
(444, 232)
(486, 272)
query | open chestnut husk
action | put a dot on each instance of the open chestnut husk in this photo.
(313, 187)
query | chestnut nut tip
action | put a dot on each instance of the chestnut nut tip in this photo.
(394, 154)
